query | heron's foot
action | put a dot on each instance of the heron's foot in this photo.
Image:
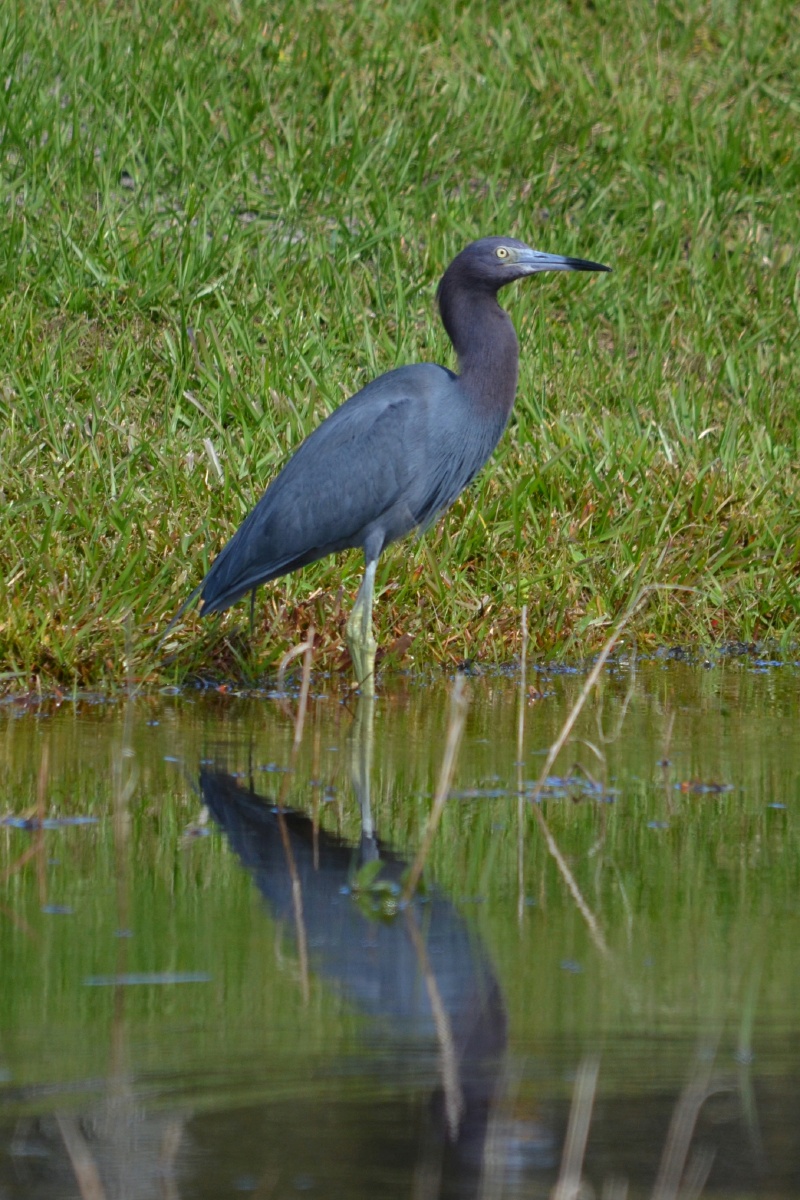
(363, 648)
(363, 656)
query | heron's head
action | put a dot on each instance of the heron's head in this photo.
(492, 262)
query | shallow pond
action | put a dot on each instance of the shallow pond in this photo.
(209, 988)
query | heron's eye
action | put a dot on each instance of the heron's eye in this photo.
(501, 252)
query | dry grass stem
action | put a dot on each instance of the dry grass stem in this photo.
(455, 729)
(568, 1186)
(87, 1175)
(41, 812)
(591, 680)
(290, 656)
(306, 649)
(522, 702)
(614, 1189)
(448, 1056)
(679, 1138)
(297, 909)
(304, 689)
(607, 738)
(170, 1146)
(592, 923)
(553, 753)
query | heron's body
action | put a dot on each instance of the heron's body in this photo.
(398, 452)
(362, 495)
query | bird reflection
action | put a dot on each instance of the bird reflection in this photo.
(421, 973)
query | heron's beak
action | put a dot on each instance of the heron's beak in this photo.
(532, 261)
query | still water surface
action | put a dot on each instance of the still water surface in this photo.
(197, 998)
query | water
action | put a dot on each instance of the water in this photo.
(203, 997)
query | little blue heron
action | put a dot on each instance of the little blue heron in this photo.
(398, 453)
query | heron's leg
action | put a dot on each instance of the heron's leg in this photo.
(359, 633)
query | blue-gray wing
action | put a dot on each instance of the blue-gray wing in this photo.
(386, 461)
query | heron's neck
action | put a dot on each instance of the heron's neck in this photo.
(483, 337)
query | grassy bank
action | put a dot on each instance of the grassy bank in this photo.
(220, 219)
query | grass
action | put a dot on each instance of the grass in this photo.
(221, 219)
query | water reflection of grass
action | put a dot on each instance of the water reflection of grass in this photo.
(218, 225)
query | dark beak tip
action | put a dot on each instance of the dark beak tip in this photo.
(585, 264)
